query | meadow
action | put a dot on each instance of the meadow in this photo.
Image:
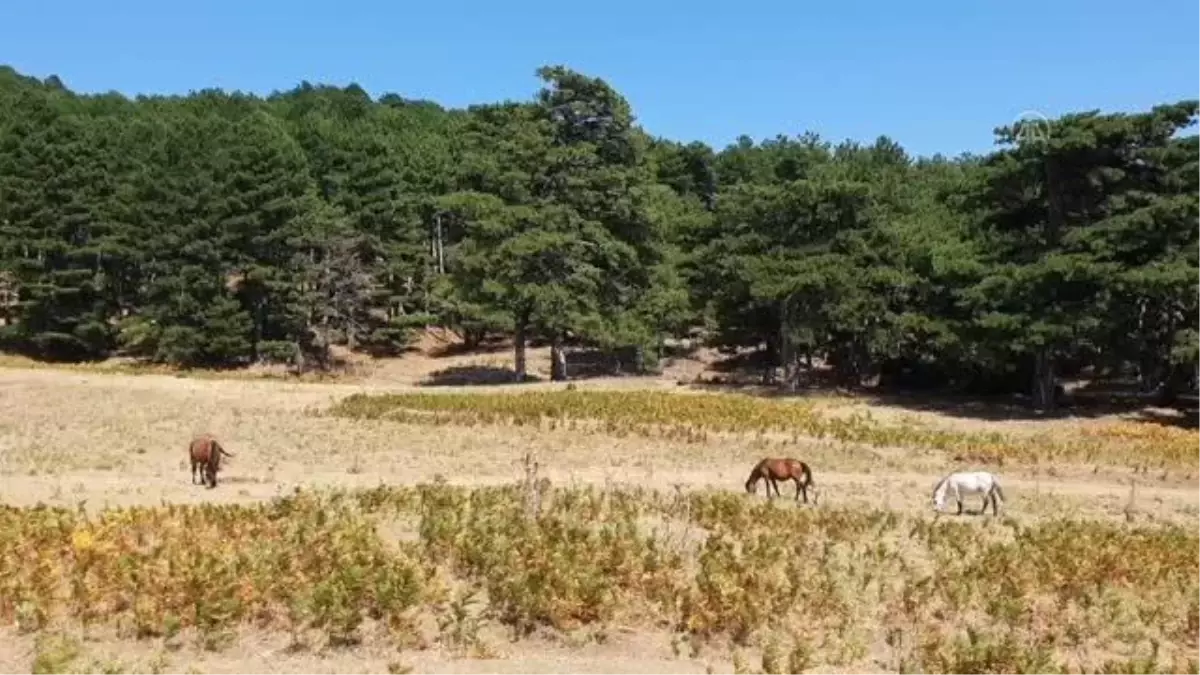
(377, 526)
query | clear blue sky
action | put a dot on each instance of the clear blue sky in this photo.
(937, 76)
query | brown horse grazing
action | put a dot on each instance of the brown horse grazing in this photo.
(773, 469)
(205, 453)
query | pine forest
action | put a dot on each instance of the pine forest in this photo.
(221, 229)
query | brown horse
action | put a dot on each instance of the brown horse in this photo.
(205, 453)
(774, 469)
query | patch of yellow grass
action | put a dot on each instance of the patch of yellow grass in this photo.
(1142, 431)
(299, 563)
(945, 595)
(131, 367)
(693, 417)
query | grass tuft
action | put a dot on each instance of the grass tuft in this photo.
(810, 587)
(694, 417)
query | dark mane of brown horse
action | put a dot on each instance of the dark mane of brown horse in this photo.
(774, 469)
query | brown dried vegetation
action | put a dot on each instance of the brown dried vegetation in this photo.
(837, 587)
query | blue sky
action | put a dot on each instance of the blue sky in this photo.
(937, 76)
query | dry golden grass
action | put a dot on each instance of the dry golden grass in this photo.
(653, 556)
(125, 366)
(827, 586)
(693, 418)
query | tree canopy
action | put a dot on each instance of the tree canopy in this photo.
(221, 228)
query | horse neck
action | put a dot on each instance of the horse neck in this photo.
(940, 488)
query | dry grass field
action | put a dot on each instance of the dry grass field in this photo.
(376, 525)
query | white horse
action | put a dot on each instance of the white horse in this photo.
(968, 482)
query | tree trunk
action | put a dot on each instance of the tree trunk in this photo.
(558, 360)
(519, 349)
(786, 353)
(299, 363)
(260, 322)
(472, 338)
(770, 362)
(1167, 393)
(845, 362)
(1043, 380)
(1151, 373)
(441, 259)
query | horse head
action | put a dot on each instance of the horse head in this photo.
(938, 498)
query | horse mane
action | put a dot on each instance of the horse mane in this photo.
(940, 483)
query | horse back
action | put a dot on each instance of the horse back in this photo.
(800, 469)
(780, 468)
(202, 448)
(774, 468)
(975, 481)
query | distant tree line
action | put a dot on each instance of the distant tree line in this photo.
(219, 229)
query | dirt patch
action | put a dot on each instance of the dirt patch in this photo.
(257, 652)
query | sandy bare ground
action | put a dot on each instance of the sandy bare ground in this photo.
(102, 439)
(267, 653)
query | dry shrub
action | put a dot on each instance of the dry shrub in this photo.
(568, 567)
(692, 417)
(986, 595)
(297, 563)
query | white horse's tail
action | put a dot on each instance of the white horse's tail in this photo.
(996, 484)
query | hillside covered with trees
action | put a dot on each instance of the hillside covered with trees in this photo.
(219, 229)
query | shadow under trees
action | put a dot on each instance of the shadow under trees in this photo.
(979, 398)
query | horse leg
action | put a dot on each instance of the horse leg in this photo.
(958, 498)
(775, 484)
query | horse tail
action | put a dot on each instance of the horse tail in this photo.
(807, 473)
(218, 448)
(996, 484)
